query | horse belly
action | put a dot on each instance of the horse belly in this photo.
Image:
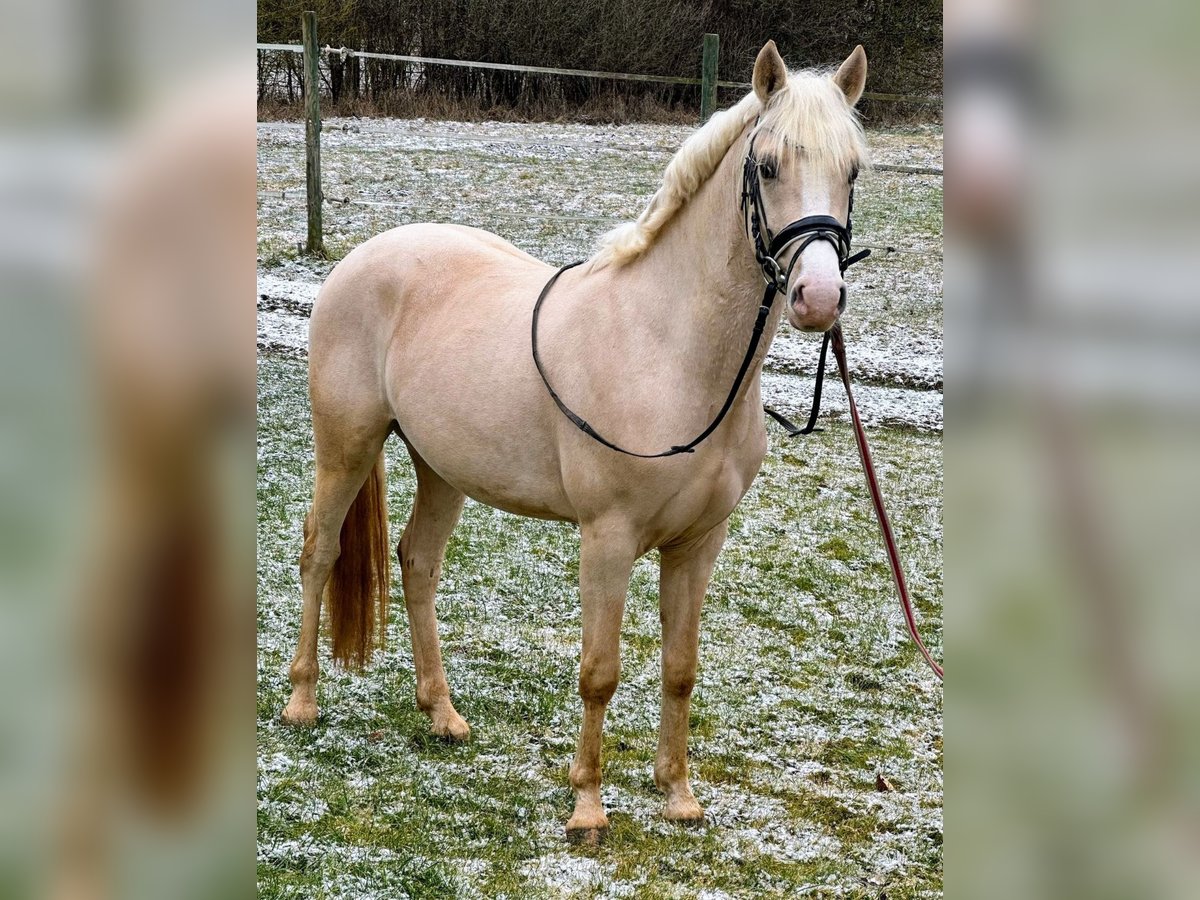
(474, 411)
(507, 478)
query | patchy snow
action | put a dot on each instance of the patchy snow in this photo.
(892, 356)
(284, 307)
(792, 396)
(566, 875)
(804, 693)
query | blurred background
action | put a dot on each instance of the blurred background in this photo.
(126, 465)
(1072, 426)
(127, 218)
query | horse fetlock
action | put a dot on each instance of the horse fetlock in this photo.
(585, 779)
(303, 672)
(432, 696)
(671, 777)
(670, 774)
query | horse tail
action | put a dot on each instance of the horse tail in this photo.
(361, 576)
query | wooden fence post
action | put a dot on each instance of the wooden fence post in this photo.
(312, 133)
(708, 77)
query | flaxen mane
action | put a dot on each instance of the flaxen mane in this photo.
(810, 114)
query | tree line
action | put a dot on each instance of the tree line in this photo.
(903, 39)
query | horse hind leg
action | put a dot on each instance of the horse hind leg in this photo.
(348, 506)
(421, 550)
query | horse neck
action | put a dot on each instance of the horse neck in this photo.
(698, 287)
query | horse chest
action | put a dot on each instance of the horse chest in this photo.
(707, 497)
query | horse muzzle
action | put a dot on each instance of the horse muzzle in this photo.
(816, 305)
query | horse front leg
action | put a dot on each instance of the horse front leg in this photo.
(683, 579)
(606, 558)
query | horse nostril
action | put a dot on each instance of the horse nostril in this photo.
(842, 300)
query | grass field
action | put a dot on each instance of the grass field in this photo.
(808, 689)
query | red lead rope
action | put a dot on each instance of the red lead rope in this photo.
(889, 539)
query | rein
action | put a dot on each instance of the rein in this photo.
(764, 310)
(885, 526)
(767, 248)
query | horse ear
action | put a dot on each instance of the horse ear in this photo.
(770, 74)
(851, 77)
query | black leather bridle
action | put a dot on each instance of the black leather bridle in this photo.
(767, 248)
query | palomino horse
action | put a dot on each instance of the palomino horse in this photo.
(425, 331)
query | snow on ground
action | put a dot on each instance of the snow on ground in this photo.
(807, 687)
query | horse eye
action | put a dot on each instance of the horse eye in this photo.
(766, 169)
(854, 175)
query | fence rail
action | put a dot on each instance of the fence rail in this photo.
(931, 99)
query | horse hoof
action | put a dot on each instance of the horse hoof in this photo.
(685, 812)
(299, 714)
(453, 729)
(587, 837)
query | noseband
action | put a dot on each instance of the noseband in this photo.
(768, 247)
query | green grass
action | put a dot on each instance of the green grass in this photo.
(807, 689)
